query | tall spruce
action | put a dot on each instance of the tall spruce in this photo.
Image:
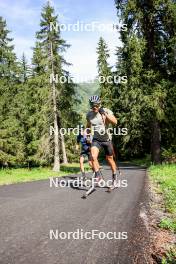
(129, 105)
(147, 21)
(48, 61)
(104, 72)
(25, 70)
(11, 132)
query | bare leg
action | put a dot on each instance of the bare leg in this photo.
(94, 154)
(115, 159)
(112, 163)
(81, 161)
(113, 166)
(90, 164)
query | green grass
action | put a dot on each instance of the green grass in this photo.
(170, 257)
(167, 223)
(165, 177)
(9, 176)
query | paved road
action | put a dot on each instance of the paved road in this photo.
(28, 212)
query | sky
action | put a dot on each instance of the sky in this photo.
(23, 18)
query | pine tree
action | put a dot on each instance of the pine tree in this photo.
(104, 72)
(68, 102)
(48, 62)
(129, 105)
(25, 70)
(11, 133)
(145, 20)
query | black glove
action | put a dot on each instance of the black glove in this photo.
(101, 111)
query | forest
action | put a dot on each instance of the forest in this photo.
(146, 104)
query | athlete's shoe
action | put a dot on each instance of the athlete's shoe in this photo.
(120, 173)
(83, 177)
(98, 178)
(115, 181)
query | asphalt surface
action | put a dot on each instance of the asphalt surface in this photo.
(28, 211)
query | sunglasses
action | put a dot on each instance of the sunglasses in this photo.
(95, 105)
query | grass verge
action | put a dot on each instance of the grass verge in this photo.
(165, 177)
(9, 176)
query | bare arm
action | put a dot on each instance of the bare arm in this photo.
(111, 119)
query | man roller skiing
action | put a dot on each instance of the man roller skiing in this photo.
(99, 119)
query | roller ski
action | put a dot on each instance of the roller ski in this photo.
(94, 185)
(114, 184)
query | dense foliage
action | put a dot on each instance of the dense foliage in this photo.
(146, 104)
(32, 106)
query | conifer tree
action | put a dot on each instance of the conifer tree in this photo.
(104, 72)
(149, 22)
(48, 61)
(11, 133)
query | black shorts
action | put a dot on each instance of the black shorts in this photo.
(85, 154)
(106, 145)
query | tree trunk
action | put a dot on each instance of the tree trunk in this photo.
(56, 166)
(156, 143)
(64, 153)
